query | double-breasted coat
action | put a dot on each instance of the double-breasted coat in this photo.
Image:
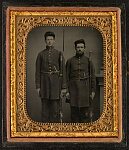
(80, 75)
(50, 73)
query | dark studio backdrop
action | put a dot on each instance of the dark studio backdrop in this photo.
(36, 43)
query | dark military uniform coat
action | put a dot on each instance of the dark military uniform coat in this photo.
(80, 80)
(50, 73)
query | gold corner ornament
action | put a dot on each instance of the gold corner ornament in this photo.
(21, 23)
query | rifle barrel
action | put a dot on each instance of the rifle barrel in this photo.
(63, 40)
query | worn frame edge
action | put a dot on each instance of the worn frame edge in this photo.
(10, 139)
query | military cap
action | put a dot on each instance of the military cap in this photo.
(49, 33)
(79, 41)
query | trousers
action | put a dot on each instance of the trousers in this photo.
(50, 110)
(80, 114)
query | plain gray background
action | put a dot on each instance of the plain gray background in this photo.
(35, 44)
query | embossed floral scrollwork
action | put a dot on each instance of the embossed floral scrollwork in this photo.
(25, 23)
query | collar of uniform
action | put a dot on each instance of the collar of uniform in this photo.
(79, 56)
(49, 47)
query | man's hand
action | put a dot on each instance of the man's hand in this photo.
(63, 93)
(38, 90)
(92, 95)
(67, 95)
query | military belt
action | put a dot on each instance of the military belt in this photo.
(51, 72)
(80, 78)
(83, 78)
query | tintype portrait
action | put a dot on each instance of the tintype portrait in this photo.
(64, 74)
(67, 75)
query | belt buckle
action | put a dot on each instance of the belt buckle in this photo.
(50, 73)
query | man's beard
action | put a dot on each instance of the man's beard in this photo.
(79, 54)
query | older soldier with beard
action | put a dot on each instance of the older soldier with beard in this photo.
(81, 83)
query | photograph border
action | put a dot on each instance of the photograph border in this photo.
(113, 91)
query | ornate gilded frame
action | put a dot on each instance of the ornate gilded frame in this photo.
(20, 127)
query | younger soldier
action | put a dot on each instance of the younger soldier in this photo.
(50, 79)
(81, 83)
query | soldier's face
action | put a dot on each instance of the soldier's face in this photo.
(50, 40)
(80, 48)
